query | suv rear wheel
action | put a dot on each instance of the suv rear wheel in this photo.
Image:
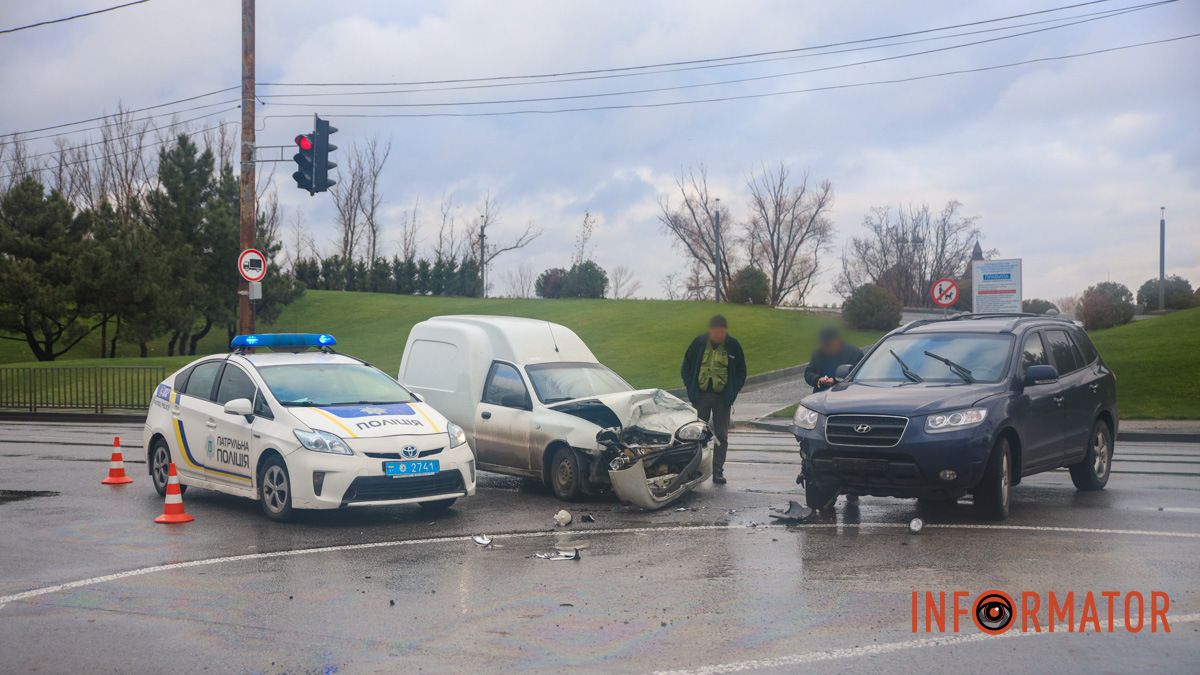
(1091, 473)
(992, 495)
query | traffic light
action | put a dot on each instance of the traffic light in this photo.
(321, 149)
(305, 171)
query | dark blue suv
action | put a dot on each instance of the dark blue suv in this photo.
(971, 404)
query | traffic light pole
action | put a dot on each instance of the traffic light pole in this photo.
(246, 182)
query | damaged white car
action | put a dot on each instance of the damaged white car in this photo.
(534, 402)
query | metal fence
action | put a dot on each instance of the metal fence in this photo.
(96, 388)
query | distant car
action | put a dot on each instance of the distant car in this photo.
(535, 402)
(941, 408)
(303, 428)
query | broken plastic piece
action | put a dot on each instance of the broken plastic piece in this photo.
(795, 513)
(916, 525)
(483, 540)
(562, 518)
(587, 518)
(573, 554)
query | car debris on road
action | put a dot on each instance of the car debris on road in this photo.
(483, 540)
(562, 518)
(573, 554)
(794, 513)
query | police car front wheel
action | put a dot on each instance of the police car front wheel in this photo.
(275, 489)
(160, 459)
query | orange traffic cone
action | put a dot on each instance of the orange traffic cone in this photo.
(173, 508)
(116, 466)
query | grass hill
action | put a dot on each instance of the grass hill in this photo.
(1157, 362)
(643, 340)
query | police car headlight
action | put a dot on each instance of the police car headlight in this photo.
(805, 418)
(322, 441)
(691, 432)
(954, 420)
(456, 434)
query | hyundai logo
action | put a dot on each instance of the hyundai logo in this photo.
(863, 428)
(409, 452)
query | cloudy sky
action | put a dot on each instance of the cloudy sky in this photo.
(1065, 163)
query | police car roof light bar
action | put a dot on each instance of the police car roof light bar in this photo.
(283, 341)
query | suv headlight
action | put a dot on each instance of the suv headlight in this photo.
(322, 441)
(805, 418)
(456, 434)
(693, 431)
(957, 419)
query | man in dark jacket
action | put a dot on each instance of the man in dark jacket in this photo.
(713, 371)
(832, 352)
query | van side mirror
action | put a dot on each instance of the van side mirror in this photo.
(842, 372)
(240, 406)
(1040, 375)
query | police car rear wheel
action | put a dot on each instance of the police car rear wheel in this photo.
(275, 490)
(160, 458)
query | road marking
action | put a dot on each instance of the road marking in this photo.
(204, 562)
(867, 650)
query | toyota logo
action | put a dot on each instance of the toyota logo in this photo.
(409, 452)
(863, 428)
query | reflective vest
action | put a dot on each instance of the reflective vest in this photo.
(714, 367)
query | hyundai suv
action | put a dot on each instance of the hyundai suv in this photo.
(938, 409)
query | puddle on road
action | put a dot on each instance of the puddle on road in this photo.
(7, 496)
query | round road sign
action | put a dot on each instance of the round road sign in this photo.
(252, 265)
(944, 292)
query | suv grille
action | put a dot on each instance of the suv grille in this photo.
(874, 431)
(384, 488)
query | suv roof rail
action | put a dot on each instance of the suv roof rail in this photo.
(968, 316)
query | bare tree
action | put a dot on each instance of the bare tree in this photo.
(484, 242)
(671, 286)
(907, 249)
(586, 229)
(348, 194)
(622, 284)
(788, 230)
(373, 156)
(693, 226)
(409, 229)
(449, 244)
(519, 281)
(1068, 305)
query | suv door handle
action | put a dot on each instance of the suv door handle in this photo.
(486, 415)
(1095, 386)
(1058, 399)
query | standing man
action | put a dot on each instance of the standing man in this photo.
(831, 353)
(714, 370)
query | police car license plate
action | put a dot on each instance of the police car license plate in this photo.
(420, 467)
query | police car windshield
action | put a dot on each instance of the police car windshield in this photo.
(938, 358)
(321, 384)
(556, 382)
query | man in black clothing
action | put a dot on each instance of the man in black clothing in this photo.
(832, 352)
(713, 371)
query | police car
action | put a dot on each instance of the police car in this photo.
(303, 427)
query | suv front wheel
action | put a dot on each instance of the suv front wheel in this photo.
(992, 494)
(1091, 473)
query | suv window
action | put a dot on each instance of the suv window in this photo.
(235, 383)
(1033, 353)
(1066, 359)
(1085, 345)
(504, 387)
(200, 381)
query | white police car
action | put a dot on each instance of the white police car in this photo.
(303, 428)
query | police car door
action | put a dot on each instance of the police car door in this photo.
(228, 454)
(192, 409)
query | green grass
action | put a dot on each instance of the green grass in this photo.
(785, 412)
(1157, 362)
(643, 340)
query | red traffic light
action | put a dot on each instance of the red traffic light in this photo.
(304, 141)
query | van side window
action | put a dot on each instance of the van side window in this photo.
(505, 387)
(200, 382)
(1033, 353)
(1066, 358)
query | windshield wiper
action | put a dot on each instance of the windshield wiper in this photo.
(367, 403)
(913, 377)
(558, 399)
(956, 368)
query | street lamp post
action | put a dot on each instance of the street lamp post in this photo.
(717, 247)
(1162, 258)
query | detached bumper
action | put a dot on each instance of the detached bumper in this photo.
(633, 487)
(323, 481)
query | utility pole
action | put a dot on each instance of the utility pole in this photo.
(246, 182)
(717, 246)
(483, 256)
(1162, 258)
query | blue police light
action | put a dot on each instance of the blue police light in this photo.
(284, 340)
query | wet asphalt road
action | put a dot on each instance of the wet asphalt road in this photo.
(712, 588)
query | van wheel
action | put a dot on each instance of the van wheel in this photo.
(818, 496)
(566, 474)
(275, 489)
(160, 458)
(993, 493)
(1092, 472)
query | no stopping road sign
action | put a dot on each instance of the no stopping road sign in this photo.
(944, 292)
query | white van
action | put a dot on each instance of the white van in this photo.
(534, 402)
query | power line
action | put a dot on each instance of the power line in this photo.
(117, 116)
(72, 17)
(105, 141)
(666, 104)
(718, 83)
(682, 63)
(491, 85)
(134, 110)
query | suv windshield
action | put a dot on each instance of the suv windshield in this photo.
(321, 384)
(938, 357)
(554, 382)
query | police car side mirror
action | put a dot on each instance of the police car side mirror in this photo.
(240, 406)
(842, 372)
